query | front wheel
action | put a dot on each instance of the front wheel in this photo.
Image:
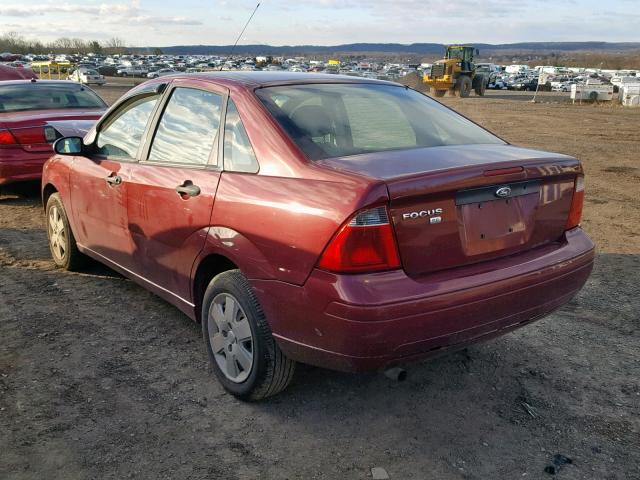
(463, 86)
(242, 351)
(62, 243)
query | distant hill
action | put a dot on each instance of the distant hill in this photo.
(396, 48)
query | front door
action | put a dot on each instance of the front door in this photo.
(171, 192)
(100, 182)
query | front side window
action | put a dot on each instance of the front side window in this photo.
(121, 134)
(238, 153)
(188, 128)
(336, 120)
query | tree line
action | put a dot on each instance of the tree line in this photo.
(14, 43)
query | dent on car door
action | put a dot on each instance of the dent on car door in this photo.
(99, 183)
(172, 190)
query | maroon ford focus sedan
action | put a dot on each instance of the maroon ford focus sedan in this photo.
(33, 114)
(342, 222)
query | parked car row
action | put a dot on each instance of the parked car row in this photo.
(509, 77)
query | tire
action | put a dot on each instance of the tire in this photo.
(232, 338)
(62, 243)
(480, 89)
(439, 93)
(463, 86)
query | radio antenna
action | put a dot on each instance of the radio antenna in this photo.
(241, 33)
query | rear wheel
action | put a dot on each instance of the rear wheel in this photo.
(480, 89)
(463, 86)
(242, 351)
(62, 243)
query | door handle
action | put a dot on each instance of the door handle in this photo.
(188, 189)
(114, 179)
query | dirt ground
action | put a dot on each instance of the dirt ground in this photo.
(101, 379)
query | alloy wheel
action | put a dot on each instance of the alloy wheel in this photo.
(57, 233)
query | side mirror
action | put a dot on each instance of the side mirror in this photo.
(68, 146)
(477, 52)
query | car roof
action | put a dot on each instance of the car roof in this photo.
(267, 79)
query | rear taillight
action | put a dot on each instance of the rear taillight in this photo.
(7, 138)
(575, 213)
(366, 243)
(29, 136)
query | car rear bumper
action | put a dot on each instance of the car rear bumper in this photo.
(16, 165)
(374, 321)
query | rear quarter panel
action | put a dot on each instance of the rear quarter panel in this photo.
(282, 224)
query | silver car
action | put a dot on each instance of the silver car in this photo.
(161, 73)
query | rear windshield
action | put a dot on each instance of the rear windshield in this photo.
(336, 120)
(39, 96)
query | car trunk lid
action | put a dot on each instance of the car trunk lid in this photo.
(458, 205)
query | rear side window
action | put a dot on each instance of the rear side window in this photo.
(43, 96)
(238, 152)
(121, 135)
(188, 128)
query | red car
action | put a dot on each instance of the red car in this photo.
(337, 221)
(33, 114)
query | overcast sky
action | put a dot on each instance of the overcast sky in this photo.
(324, 22)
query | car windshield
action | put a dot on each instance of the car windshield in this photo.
(89, 72)
(335, 120)
(39, 96)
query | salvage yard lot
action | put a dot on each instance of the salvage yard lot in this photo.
(101, 379)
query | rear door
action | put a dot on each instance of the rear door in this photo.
(172, 190)
(99, 183)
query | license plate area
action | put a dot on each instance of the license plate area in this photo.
(490, 223)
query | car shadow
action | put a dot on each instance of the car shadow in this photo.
(20, 194)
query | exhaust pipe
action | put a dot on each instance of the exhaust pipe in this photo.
(396, 374)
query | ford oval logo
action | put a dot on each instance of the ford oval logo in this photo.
(503, 192)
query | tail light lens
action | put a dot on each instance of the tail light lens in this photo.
(575, 213)
(7, 138)
(33, 137)
(30, 135)
(366, 243)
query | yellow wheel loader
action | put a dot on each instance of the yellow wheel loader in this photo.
(456, 73)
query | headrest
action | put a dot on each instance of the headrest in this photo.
(312, 120)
